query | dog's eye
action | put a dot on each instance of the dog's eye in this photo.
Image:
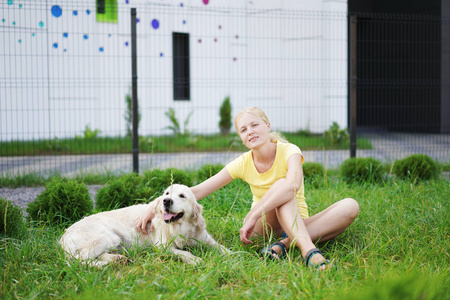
(167, 193)
(182, 196)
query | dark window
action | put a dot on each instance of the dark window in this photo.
(101, 7)
(181, 79)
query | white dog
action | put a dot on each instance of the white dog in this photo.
(177, 223)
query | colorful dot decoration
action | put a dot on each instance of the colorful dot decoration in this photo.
(56, 11)
(155, 24)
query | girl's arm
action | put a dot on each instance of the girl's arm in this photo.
(212, 184)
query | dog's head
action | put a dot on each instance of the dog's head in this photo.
(178, 203)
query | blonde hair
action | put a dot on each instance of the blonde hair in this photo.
(274, 135)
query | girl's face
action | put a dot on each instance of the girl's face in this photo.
(253, 131)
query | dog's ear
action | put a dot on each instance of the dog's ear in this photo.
(156, 203)
(197, 217)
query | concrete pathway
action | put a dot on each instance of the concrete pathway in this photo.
(387, 148)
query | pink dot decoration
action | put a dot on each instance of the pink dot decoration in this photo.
(205, 2)
(199, 40)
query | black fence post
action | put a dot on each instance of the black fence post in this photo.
(352, 81)
(134, 100)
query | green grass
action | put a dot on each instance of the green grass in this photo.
(160, 144)
(397, 248)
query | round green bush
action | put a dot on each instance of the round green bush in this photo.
(361, 169)
(64, 201)
(156, 180)
(121, 192)
(207, 171)
(417, 167)
(313, 174)
(313, 169)
(11, 219)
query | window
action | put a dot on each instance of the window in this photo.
(181, 78)
(107, 11)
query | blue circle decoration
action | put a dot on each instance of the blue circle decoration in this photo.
(181, 4)
(20, 41)
(85, 36)
(101, 49)
(88, 11)
(184, 21)
(55, 45)
(33, 34)
(65, 34)
(41, 24)
(155, 24)
(126, 1)
(75, 12)
(3, 20)
(161, 54)
(14, 23)
(126, 44)
(10, 2)
(56, 11)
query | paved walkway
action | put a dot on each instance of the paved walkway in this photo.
(387, 148)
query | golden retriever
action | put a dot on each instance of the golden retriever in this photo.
(178, 222)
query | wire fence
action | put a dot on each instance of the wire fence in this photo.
(66, 83)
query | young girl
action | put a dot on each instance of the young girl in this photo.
(273, 169)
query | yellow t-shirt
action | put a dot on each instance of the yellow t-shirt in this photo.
(244, 168)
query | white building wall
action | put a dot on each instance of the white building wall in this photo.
(65, 73)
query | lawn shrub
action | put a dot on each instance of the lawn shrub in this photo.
(64, 201)
(417, 167)
(11, 219)
(207, 171)
(121, 192)
(313, 174)
(361, 169)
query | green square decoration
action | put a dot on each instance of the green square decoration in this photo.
(107, 11)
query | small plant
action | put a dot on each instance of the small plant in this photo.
(417, 167)
(175, 127)
(313, 174)
(121, 192)
(207, 171)
(64, 201)
(88, 133)
(336, 135)
(129, 115)
(225, 117)
(361, 170)
(11, 219)
(56, 145)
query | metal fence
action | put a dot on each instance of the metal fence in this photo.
(67, 83)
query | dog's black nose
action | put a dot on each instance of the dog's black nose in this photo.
(168, 202)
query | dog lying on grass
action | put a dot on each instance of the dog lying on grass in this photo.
(178, 223)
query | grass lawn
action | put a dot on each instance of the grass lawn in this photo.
(159, 144)
(398, 248)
